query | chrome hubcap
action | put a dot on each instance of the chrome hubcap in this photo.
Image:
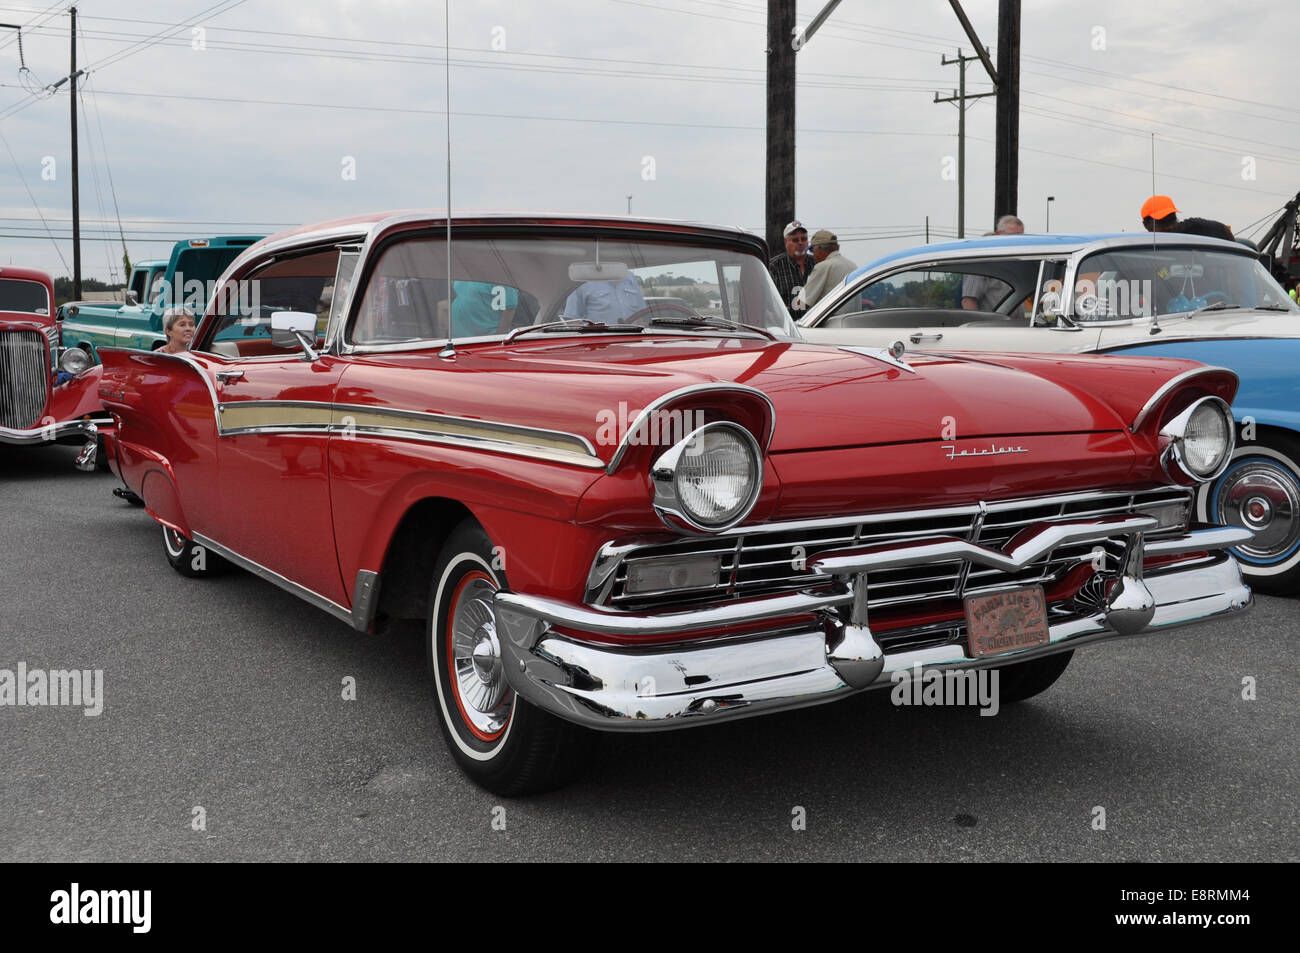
(1266, 499)
(476, 659)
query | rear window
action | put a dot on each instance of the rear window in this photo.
(29, 297)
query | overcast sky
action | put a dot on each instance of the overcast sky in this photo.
(277, 113)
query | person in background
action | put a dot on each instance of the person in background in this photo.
(482, 307)
(790, 270)
(605, 302)
(980, 293)
(1159, 214)
(831, 268)
(1207, 227)
(178, 325)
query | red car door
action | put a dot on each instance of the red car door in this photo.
(273, 412)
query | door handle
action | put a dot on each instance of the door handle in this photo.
(918, 337)
(229, 377)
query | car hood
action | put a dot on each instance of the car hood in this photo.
(822, 397)
(23, 321)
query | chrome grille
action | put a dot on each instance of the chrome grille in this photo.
(22, 378)
(761, 561)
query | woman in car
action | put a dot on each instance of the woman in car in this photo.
(178, 325)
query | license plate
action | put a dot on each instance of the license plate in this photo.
(1009, 621)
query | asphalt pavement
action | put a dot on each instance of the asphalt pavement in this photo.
(225, 734)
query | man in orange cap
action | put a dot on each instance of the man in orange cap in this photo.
(1159, 214)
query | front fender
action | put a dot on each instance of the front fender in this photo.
(1270, 388)
(78, 397)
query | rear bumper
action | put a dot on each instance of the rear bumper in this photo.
(818, 660)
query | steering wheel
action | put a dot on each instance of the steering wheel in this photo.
(651, 309)
(1212, 296)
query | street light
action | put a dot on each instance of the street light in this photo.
(1050, 200)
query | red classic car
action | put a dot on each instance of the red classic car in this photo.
(624, 515)
(47, 393)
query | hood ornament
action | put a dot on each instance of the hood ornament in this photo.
(892, 355)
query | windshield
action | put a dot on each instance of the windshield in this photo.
(29, 297)
(510, 284)
(1141, 282)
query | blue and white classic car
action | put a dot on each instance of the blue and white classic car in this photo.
(1157, 295)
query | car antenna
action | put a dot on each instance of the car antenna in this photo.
(449, 351)
(1155, 317)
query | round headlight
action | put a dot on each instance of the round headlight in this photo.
(710, 480)
(1208, 440)
(1202, 438)
(73, 361)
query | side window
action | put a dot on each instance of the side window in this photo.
(155, 286)
(930, 290)
(338, 292)
(244, 308)
(138, 279)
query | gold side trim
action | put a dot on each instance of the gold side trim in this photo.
(289, 417)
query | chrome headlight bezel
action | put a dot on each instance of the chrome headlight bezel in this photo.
(1175, 432)
(74, 361)
(668, 470)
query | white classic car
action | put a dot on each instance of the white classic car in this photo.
(1153, 295)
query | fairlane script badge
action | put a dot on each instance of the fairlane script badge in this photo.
(993, 450)
(1006, 621)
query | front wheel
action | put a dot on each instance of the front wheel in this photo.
(188, 557)
(502, 742)
(1260, 490)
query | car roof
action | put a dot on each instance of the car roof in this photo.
(1038, 243)
(379, 220)
(26, 274)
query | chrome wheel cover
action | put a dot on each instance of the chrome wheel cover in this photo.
(1264, 497)
(476, 659)
(174, 542)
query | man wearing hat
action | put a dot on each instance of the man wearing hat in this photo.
(791, 269)
(831, 269)
(1159, 214)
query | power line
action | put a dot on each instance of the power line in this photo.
(22, 178)
(1126, 168)
(882, 83)
(481, 115)
(1141, 134)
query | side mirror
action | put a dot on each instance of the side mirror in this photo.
(295, 329)
(133, 299)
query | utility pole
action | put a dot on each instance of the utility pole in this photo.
(1006, 80)
(783, 42)
(76, 191)
(1006, 163)
(780, 121)
(959, 97)
(76, 187)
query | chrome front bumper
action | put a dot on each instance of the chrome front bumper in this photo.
(49, 433)
(833, 654)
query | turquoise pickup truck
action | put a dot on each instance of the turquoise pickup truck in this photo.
(187, 277)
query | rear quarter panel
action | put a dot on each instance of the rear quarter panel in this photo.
(166, 436)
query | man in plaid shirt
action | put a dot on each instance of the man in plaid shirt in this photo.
(791, 269)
